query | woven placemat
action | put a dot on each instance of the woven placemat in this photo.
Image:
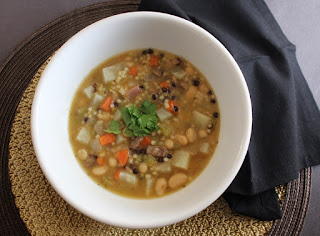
(28, 204)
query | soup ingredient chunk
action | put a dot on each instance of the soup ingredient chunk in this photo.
(177, 180)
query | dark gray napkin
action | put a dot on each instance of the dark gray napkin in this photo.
(286, 120)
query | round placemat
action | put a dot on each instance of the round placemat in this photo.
(28, 202)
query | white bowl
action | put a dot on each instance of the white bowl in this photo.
(94, 44)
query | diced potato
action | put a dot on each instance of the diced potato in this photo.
(98, 127)
(110, 73)
(181, 159)
(163, 114)
(178, 72)
(164, 167)
(97, 99)
(201, 120)
(88, 91)
(205, 148)
(128, 178)
(95, 145)
(84, 136)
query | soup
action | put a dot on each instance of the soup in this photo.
(144, 123)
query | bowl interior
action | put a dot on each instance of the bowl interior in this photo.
(78, 57)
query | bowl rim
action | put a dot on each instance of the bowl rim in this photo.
(237, 163)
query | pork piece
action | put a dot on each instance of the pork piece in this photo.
(135, 145)
(94, 86)
(133, 92)
(157, 151)
(90, 160)
(157, 72)
(176, 61)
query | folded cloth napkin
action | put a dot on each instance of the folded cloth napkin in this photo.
(286, 120)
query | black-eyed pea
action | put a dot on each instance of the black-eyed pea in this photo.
(202, 133)
(112, 162)
(191, 135)
(177, 180)
(99, 170)
(181, 139)
(161, 186)
(169, 143)
(82, 154)
(143, 167)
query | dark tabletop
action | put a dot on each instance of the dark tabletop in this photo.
(299, 19)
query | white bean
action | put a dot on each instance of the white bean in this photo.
(82, 154)
(169, 143)
(102, 153)
(177, 180)
(191, 135)
(202, 133)
(161, 186)
(182, 139)
(99, 170)
(112, 162)
(143, 167)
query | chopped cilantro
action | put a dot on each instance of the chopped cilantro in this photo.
(148, 107)
(142, 121)
(114, 127)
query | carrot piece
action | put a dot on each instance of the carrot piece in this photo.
(133, 71)
(106, 105)
(145, 142)
(172, 106)
(164, 84)
(106, 139)
(154, 60)
(117, 174)
(100, 161)
(123, 156)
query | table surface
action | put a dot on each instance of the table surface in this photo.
(299, 20)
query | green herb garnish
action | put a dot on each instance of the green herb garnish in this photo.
(142, 121)
(114, 127)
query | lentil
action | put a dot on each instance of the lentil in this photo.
(196, 82)
(154, 96)
(169, 156)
